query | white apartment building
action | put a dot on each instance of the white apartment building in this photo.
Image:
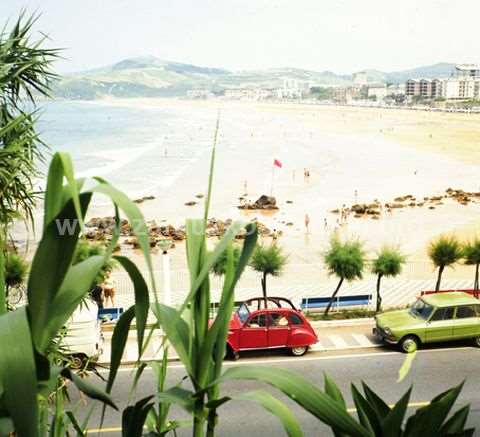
(464, 84)
(379, 91)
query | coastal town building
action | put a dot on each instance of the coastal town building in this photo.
(396, 90)
(346, 95)
(377, 92)
(463, 84)
(360, 78)
(425, 88)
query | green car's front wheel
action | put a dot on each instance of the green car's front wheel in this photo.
(476, 340)
(409, 344)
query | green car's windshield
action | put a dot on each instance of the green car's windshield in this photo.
(421, 309)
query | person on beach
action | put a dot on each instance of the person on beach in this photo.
(109, 289)
(325, 224)
(274, 236)
(307, 223)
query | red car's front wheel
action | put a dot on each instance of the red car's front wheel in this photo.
(298, 351)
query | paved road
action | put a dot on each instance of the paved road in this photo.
(434, 370)
(330, 338)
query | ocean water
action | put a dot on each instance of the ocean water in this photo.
(161, 148)
(139, 149)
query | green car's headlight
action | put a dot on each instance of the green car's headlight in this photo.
(387, 331)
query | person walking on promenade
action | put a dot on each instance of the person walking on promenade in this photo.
(307, 223)
(109, 289)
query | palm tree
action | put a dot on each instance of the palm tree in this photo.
(346, 261)
(85, 250)
(444, 252)
(471, 253)
(220, 266)
(25, 73)
(268, 260)
(15, 269)
(389, 262)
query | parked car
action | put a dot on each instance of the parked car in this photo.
(432, 318)
(280, 325)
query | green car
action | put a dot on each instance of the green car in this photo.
(432, 318)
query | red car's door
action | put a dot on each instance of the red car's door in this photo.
(278, 330)
(254, 333)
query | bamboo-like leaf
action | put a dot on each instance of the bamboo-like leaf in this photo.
(52, 260)
(392, 424)
(176, 330)
(89, 389)
(61, 167)
(217, 335)
(76, 426)
(141, 298)
(134, 417)
(134, 216)
(179, 396)
(333, 391)
(303, 393)
(3, 301)
(212, 166)
(119, 340)
(17, 373)
(366, 414)
(6, 426)
(456, 423)
(377, 403)
(212, 258)
(277, 408)
(76, 285)
(427, 421)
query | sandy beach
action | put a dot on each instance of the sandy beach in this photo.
(354, 155)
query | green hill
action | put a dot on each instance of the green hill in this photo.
(152, 77)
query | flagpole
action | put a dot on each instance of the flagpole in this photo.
(273, 177)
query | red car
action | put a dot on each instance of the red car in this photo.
(280, 325)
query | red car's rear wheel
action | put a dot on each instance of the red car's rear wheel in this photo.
(298, 351)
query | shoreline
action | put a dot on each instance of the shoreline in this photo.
(331, 141)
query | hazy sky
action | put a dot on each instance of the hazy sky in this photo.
(339, 35)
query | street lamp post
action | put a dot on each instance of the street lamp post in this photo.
(167, 291)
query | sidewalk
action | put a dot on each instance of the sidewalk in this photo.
(349, 334)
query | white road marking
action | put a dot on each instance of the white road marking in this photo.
(299, 360)
(363, 340)
(338, 341)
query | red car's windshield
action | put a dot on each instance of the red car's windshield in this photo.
(243, 312)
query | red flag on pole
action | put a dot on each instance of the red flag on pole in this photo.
(277, 163)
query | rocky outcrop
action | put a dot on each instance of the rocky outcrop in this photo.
(374, 209)
(143, 199)
(101, 229)
(263, 202)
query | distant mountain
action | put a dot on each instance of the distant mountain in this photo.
(440, 70)
(137, 77)
(152, 77)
